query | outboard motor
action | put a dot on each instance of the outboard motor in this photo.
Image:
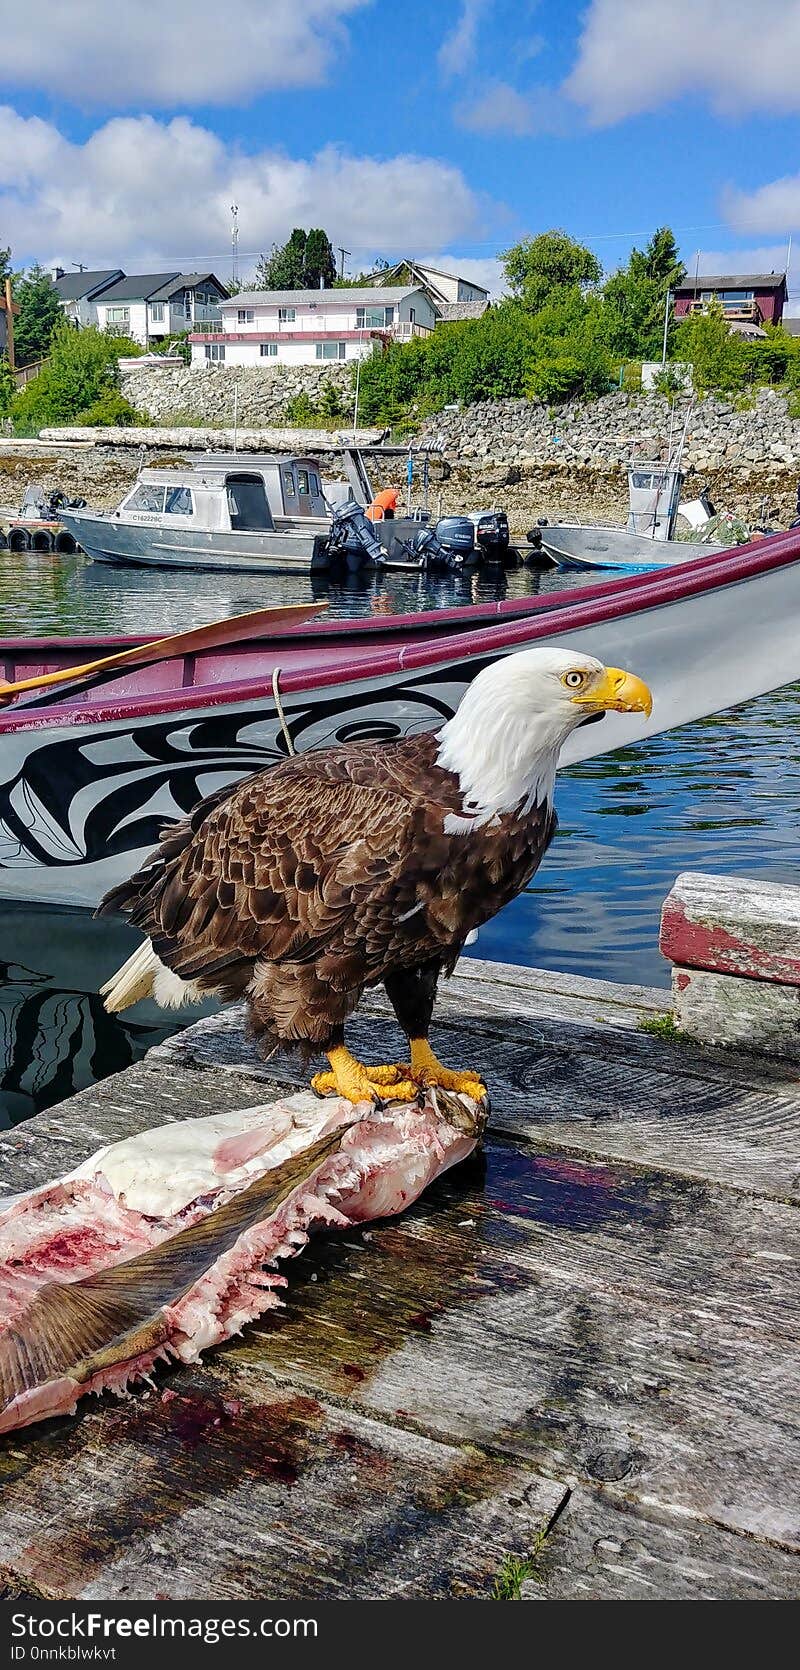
(449, 548)
(352, 538)
(492, 535)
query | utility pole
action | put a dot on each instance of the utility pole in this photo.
(80, 266)
(342, 254)
(235, 244)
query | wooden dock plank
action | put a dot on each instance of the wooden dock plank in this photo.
(213, 1489)
(605, 1299)
(601, 1549)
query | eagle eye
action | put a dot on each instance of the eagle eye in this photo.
(574, 680)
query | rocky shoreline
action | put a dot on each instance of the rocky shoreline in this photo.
(533, 460)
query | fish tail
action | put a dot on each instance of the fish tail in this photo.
(110, 1328)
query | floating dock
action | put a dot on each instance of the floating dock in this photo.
(579, 1350)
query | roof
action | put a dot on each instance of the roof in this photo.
(358, 293)
(462, 310)
(424, 267)
(186, 281)
(137, 286)
(732, 281)
(72, 286)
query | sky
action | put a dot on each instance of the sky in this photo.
(446, 132)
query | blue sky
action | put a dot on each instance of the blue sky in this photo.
(444, 132)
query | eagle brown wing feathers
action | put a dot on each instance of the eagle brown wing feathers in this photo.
(325, 871)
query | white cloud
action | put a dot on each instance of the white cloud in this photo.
(774, 207)
(457, 51)
(170, 53)
(498, 109)
(142, 193)
(636, 55)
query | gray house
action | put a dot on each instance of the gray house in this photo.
(78, 292)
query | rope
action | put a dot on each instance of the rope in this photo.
(290, 747)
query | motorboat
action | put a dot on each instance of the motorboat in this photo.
(258, 513)
(648, 540)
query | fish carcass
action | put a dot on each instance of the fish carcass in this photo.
(166, 1243)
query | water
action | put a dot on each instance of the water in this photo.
(721, 795)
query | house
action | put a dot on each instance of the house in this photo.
(149, 306)
(78, 292)
(745, 298)
(451, 296)
(310, 327)
(8, 312)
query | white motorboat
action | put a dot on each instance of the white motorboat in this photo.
(259, 513)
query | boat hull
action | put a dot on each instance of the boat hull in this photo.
(83, 792)
(278, 551)
(579, 546)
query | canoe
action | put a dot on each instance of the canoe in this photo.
(88, 778)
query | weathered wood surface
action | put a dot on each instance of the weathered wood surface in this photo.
(553, 1317)
(733, 925)
(722, 1009)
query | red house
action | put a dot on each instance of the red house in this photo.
(745, 298)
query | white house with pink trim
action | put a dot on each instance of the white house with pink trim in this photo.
(310, 327)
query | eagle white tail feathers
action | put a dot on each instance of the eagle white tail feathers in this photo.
(144, 975)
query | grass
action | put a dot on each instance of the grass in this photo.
(516, 1570)
(661, 1026)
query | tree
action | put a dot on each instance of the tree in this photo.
(282, 269)
(5, 266)
(304, 262)
(39, 313)
(81, 373)
(636, 297)
(717, 355)
(319, 264)
(536, 267)
(8, 387)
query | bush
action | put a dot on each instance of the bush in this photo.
(81, 372)
(301, 410)
(111, 411)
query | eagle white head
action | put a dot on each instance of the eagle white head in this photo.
(504, 740)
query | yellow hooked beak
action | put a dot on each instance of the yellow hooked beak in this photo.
(617, 691)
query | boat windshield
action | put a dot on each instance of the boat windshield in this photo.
(247, 502)
(146, 497)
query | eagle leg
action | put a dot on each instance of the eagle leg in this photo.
(426, 1070)
(357, 1082)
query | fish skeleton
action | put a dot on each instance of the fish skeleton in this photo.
(166, 1243)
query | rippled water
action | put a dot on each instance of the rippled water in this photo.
(721, 795)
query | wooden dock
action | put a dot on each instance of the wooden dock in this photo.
(581, 1347)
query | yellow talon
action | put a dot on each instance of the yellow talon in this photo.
(360, 1083)
(427, 1070)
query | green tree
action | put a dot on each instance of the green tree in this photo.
(636, 297)
(39, 313)
(552, 261)
(319, 262)
(81, 372)
(5, 265)
(717, 355)
(282, 269)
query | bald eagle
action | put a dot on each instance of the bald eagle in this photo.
(371, 862)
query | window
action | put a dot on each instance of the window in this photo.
(118, 315)
(179, 501)
(245, 316)
(315, 486)
(330, 350)
(288, 482)
(269, 350)
(374, 318)
(157, 312)
(302, 481)
(147, 498)
(215, 350)
(286, 315)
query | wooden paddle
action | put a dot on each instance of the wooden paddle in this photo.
(216, 636)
